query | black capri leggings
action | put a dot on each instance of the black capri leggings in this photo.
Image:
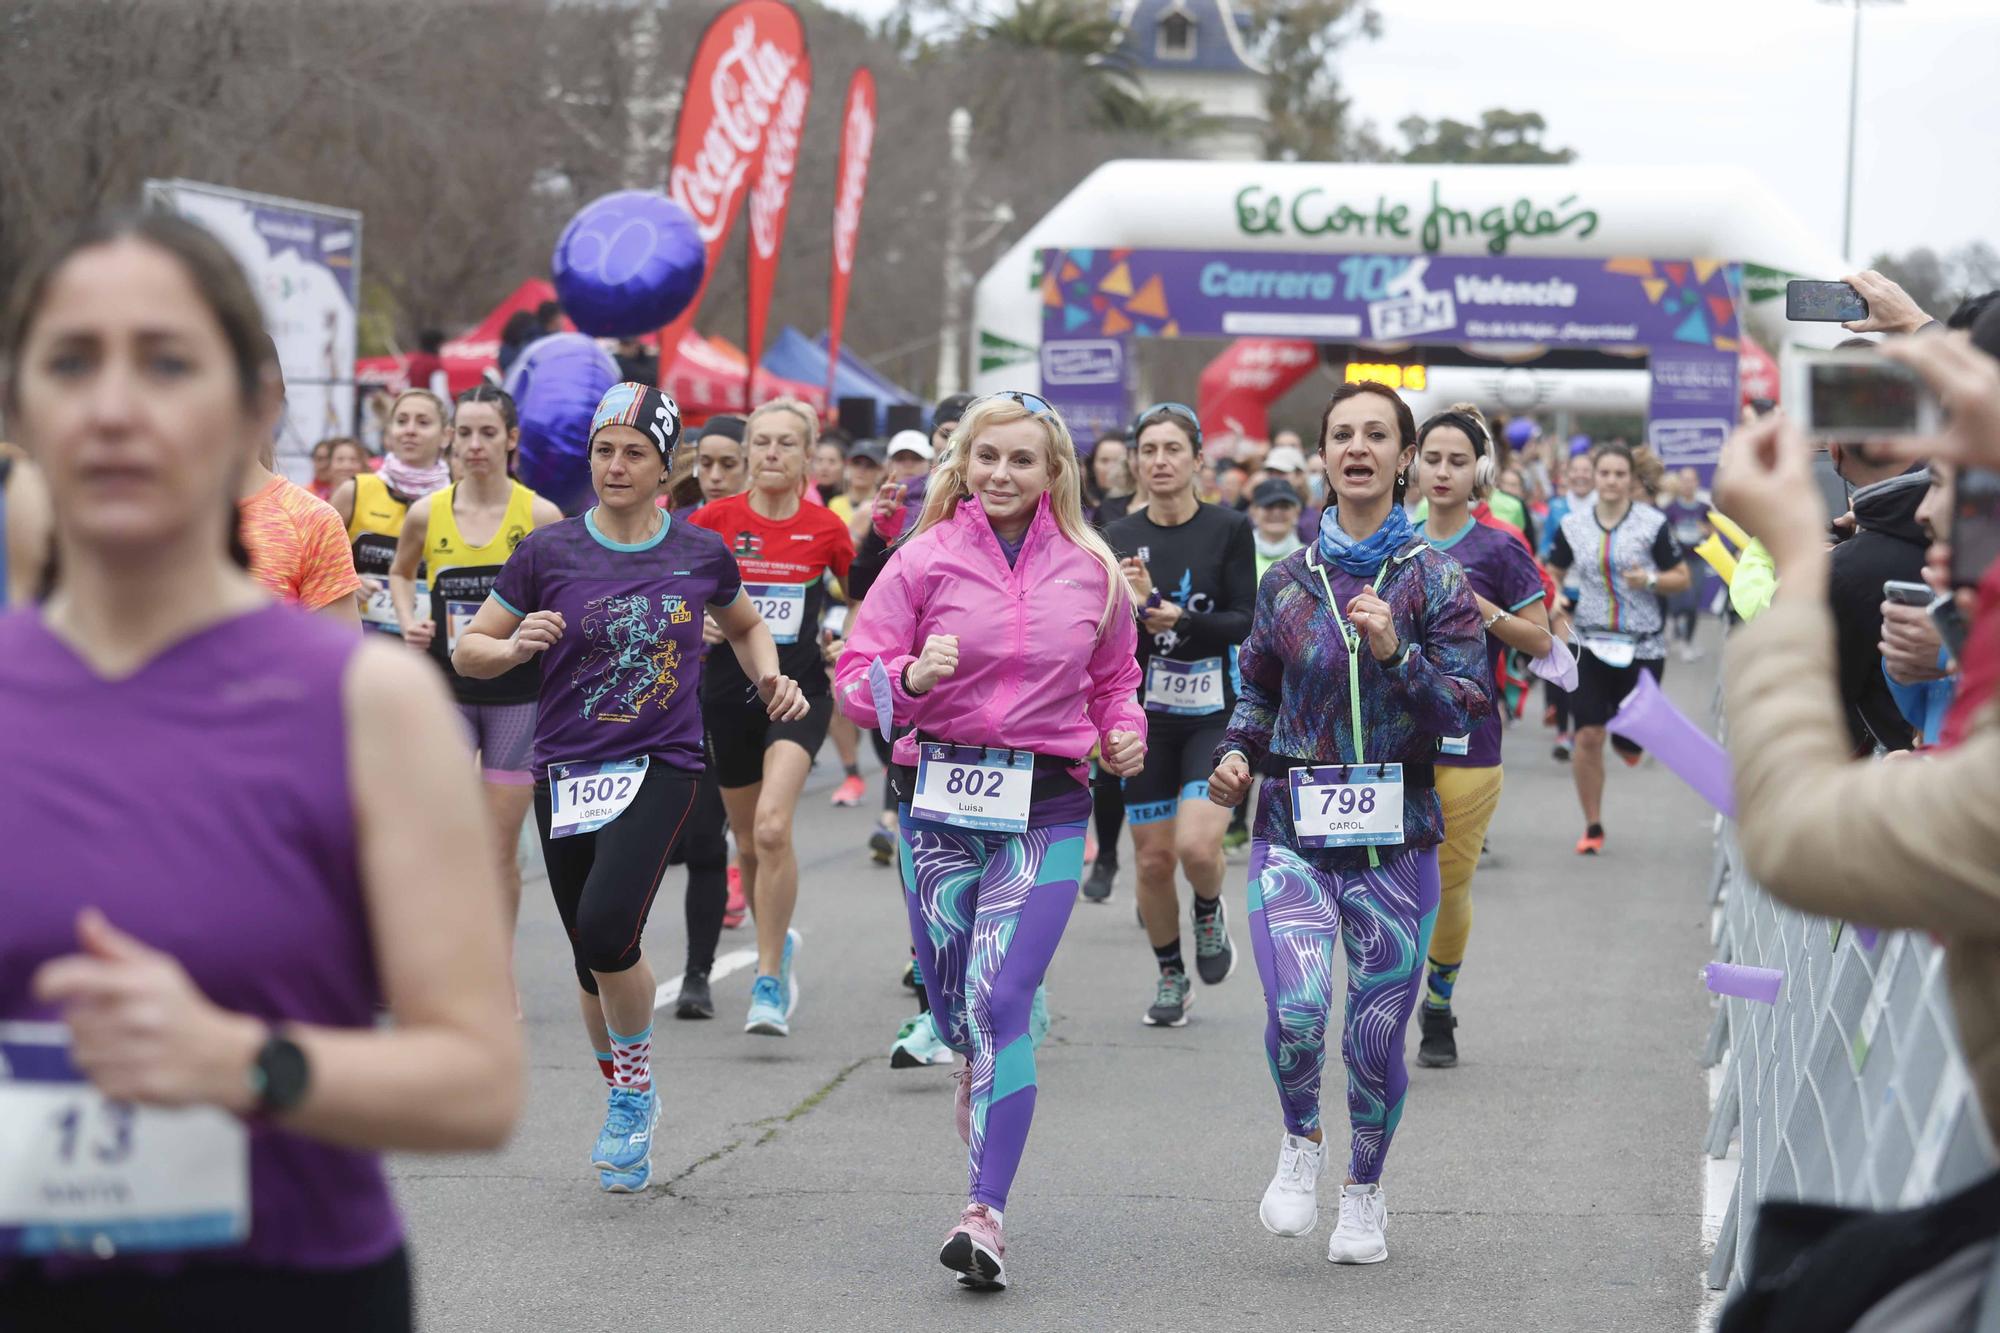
(604, 882)
(704, 850)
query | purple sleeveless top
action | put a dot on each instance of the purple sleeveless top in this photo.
(203, 805)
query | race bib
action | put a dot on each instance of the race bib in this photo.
(584, 797)
(1348, 805)
(1456, 745)
(457, 617)
(1184, 688)
(835, 623)
(378, 612)
(783, 606)
(971, 787)
(1614, 650)
(81, 1174)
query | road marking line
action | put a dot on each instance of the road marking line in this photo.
(733, 961)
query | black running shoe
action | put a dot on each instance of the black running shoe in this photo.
(881, 846)
(695, 1001)
(1438, 1049)
(1171, 1000)
(1214, 956)
(1098, 883)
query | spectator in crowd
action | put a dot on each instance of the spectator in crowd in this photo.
(1274, 513)
(1288, 464)
(1229, 484)
(346, 460)
(1108, 493)
(829, 466)
(637, 363)
(426, 367)
(548, 318)
(520, 329)
(1914, 659)
(1905, 846)
(322, 465)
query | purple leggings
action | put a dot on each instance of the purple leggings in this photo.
(986, 913)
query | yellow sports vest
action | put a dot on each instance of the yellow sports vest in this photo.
(461, 576)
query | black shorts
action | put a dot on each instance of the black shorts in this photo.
(1180, 754)
(737, 738)
(604, 881)
(1600, 688)
(374, 1298)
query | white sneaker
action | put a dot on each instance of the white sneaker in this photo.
(1291, 1200)
(1364, 1215)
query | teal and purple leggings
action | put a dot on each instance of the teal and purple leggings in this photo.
(986, 913)
(1299, 908)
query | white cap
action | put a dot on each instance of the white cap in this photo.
(1285, 459)
(916, 442)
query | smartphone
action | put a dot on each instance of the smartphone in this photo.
(1823, 302)
(1975, 525)
(1856, 395)
(1950, 626)
(1908, 594)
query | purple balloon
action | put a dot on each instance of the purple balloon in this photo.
(1745, 983)
(628, 263)
(1649, 718)
(556, 382)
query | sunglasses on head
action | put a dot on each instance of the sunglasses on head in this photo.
(1033, 402)
(1181, 410)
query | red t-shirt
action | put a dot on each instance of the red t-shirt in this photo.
(784, 563)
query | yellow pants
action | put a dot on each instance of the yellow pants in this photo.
(1470, 796)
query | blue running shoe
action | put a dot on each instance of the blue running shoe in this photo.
(626, 1182)
(767, 1009)
(1038, 1018)
(627, 1140)
(788, 980)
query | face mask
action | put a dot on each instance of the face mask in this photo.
(1318, 487)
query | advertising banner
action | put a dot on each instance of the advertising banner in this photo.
(771, 201)
(735, 84)
(1238, 387)
(857, 146)
(304, 260)
(1087, 380)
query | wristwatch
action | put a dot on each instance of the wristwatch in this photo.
(280, 1074)
(1402, 656)
(1652, 578)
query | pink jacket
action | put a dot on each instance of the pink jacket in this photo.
(1033, 673)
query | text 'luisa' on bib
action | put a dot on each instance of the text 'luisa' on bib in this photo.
(584, 797)
(972, 787)
(1348, 805)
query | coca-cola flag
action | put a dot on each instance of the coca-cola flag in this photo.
(770, 201)
(857, 142)
(741, 68)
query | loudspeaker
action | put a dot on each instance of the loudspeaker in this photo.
(857, 417)
(907, 416)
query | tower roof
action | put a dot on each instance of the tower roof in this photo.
(1217, 42)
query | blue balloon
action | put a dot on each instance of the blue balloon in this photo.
(628, 263)
(556, 382)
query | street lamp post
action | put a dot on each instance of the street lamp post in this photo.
(958, 212)
(1853, 119)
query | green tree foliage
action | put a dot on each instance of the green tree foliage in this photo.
(1938, 282)
(1299, 42)
(1501, 136)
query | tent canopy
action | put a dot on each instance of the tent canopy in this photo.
(798, 357)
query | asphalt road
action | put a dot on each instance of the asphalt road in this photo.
(1551, 1181)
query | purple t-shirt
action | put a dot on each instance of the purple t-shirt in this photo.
(1500, 570)
(203, 804)
(623, 680)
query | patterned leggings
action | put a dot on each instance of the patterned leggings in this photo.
(1384, 918)
(986, 913)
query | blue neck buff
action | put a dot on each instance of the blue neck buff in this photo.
(1363, 558)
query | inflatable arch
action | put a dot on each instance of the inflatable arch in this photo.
(1675, 264)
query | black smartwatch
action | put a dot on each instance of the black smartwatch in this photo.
(280, 1074)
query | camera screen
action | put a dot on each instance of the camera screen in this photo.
(1869, 400)
(1824, 301)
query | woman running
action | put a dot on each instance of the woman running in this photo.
(464, 534)
(374, 504)
(1192, 568)
(260, 846)
(1626, 560)
(785, 549)
(614, 598)
(1002, 634)
(1365, 654)
(1454, 469)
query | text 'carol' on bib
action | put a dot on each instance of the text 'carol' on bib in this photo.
(1184, 688)
(783, 607)
(82, 1174)
(970, 786)
(1348, 805)
(584, 797)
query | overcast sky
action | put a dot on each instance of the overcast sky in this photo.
(1762, 83)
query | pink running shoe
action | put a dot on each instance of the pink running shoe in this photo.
(849, 793)
(734, 912)
(974, 1250)
(962, 1102)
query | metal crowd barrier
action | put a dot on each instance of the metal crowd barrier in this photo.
(1851, 1088)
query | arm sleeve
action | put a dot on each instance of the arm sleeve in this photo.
(514, 587)
(1521, 581)
(1443, 679)
(866, 566)
(728, 580)
(1560, 556)
(327, 561)
(888, 630)
(1228, 625)
(1911, 845)
(1114, 677)
(1261, 685)
(1667, 550)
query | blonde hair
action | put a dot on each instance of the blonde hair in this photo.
(803, 411)
(443, 408)
(947, 487)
